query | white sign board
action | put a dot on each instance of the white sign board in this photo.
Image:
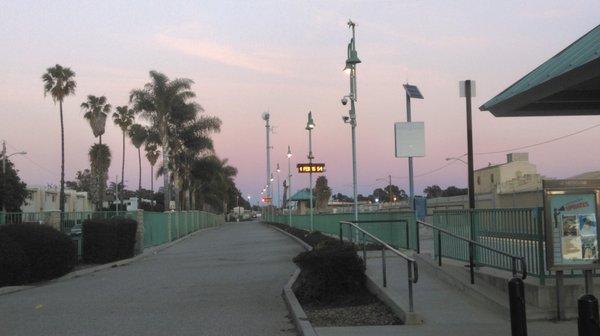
(462, 89)
(410, 139)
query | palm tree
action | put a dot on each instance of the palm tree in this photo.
(60, 83)
(99, 155)
(123, 117)
(96, 111)
(152, 154)
(213, 179)
(138, 135)
(161, 101)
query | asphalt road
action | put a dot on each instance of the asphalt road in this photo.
(224, 281)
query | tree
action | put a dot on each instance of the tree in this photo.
(59, 82)
(123, 117)
(152, 154)
(138, 135)
(15, 194)
(160, 101)
(454, 191)
(83, 181)
(339, 197)
(96, 110)
(99, 155)
(433, 191)
(322, 192)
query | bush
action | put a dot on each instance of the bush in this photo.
(46, 252)
(106, 240)
(328, 272)
(14, 266)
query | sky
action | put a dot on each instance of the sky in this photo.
(286, 57)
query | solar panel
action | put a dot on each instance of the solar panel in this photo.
(412, 91)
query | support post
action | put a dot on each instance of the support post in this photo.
(589, 282)
(516, 296)
(439, 248)
(383, 266)
(588, 321)
(471, 263)
(560, 296)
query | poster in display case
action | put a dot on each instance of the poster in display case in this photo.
(571, 213)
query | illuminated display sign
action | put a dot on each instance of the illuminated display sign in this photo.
(571, 215)
(304, 168)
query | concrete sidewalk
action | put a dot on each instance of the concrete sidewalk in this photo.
(445, 310)
(225, 281)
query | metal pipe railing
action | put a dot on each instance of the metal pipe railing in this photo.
(472, 245)
(413, 269)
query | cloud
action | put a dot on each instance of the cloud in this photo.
(223, 54)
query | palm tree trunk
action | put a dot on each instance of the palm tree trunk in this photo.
(166, 182)
(62, 161)
(100, 139)
(122, 169)
(140, 178)
(152, 178)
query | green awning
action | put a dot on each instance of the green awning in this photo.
(301, 195)
(566, 84)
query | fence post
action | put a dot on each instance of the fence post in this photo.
(54, 220)
(440, 248)
(588, 319)
(516, 297)
(541, 270)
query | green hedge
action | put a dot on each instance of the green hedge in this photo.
(106, 240)
(30, 252)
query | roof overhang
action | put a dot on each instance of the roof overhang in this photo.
(576, 92)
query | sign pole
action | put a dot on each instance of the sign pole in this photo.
(410, 159)
(470, 146)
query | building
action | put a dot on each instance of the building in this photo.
(48, 198)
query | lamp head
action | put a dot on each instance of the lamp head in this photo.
(289, 153)
(311, 123)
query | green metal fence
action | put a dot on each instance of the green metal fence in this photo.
(387, 226)
(25, 217)
(162, 227)
(518, 231)
(72, 222)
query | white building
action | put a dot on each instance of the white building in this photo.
(48, 198)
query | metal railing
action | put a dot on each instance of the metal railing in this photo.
(413, 269)
(471, 251)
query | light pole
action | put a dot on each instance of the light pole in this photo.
(278, 170)
(351, 61)
(467, 90)
(4, 158)
(310, 124)
(289, 204)
(265, 117)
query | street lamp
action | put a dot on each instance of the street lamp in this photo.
(266, 116)
(4, 158)
(351, 61)
(289, 195)
(310, 125)
(278, 186)
(456, 159)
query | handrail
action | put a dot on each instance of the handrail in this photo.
(472, 243)
(413, 269)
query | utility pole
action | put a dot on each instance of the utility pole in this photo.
(4, 177)
(266, 117)
(468, 86)
(391, 195)
(289, 204)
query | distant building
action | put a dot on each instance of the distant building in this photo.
(48, 198)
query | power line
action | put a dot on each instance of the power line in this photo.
(28, 157)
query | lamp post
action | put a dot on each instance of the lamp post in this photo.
(278, 170)
(4, 158)
(310, 124)
(266, 116)
(351, 61)
(289, 195)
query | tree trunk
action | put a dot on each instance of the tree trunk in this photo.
(122, 171)
(100, 139)
(152, 178)
(62, 161)
(140, 178)
(166, 182)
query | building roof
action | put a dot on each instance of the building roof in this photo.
(301, 195)
(592, 175)
(566, 84)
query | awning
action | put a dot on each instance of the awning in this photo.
(566, 84)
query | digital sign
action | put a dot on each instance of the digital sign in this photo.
(305, 168)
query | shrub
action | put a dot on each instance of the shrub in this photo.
(328, 272)
(48, 252)
(106, 240)
(14, 266)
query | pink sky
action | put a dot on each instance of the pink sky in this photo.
(287, 57)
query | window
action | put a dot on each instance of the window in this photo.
(492, 178)
(478, 180)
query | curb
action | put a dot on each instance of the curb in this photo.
(381, 292)
(301, 321)
(86, 271)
